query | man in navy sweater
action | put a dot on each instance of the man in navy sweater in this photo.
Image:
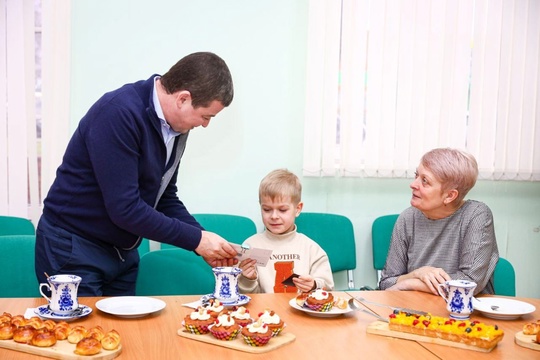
(117, 180)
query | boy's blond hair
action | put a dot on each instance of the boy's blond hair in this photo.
(281, 183)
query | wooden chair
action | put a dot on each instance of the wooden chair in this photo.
(335, 234)
(13, 225)
(233, 228)
(17, 259)
(174, 272)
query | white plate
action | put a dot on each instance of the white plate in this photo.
(130, 306)
(335, 311)
(44, 312)
(508, 309)
(242, 300)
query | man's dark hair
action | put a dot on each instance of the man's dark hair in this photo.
(205, 75)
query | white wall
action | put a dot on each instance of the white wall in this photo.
(264, 43)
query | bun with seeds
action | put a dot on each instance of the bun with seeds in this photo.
(111, 340)
(24, 334)
(88, 346)
(44, 338)
(6, 330)
(531, 328)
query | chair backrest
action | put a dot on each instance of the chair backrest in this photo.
(504, 278)
(13, 225)
(174, 272)
(381, 234)
(17, 258)
(335, 234)
(233, 228)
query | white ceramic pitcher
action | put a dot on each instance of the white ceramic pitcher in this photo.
(458, 295)
(226, 289)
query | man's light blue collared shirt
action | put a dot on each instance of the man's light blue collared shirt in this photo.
(168, 133)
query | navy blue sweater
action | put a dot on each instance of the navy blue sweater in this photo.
(106, 186)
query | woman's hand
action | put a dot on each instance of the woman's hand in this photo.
(431, 277)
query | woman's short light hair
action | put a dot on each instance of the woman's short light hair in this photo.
(279, 184)
(453, 168)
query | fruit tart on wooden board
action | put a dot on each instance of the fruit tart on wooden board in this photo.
(467, 334)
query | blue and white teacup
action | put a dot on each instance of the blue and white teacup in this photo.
(226, 289)
(63, 290)
(458, 295)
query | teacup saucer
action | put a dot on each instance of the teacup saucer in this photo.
(242, 300)
(45, 312)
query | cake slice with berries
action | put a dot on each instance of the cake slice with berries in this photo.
(469, 332)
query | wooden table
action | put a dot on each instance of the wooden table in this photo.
(344, 337)
(506, 349)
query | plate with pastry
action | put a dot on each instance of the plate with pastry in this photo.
(502, 308)
(130, 306)
(320, 303)
(45, 312)
(529, 337)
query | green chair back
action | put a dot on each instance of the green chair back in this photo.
(174, 272)
(17, 258)
(13, 225)
(504, 278)
(233, 228)
(335, 234)
(381, 235)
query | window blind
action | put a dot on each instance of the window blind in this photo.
(389, 80)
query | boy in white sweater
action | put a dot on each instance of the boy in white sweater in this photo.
(292, 253)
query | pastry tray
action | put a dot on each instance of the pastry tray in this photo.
(239, 344)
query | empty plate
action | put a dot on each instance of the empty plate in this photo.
(502, 308)
(130, 306)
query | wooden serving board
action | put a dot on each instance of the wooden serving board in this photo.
(526, 341)
(239, 343)
(62, 350)
(381, 328)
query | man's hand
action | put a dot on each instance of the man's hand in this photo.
(215, 250)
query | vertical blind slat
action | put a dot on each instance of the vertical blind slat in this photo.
(3, 112)
(17, 151)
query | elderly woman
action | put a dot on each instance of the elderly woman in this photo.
(442, 236)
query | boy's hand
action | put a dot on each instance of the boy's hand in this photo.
(249, 268)
(304, 283)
